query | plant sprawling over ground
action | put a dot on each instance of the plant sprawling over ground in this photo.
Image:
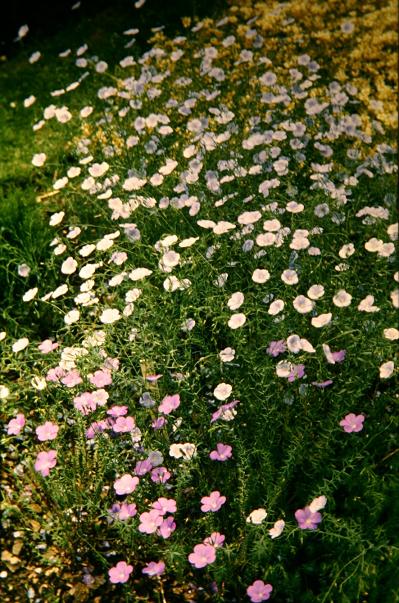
(198, 355)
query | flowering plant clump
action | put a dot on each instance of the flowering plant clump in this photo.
(216, 289)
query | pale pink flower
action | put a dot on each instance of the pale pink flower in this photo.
(126, 484)
(167, 527)
(259, 591)
(150, 522)
(100, 378)
(164, 505)
(46, 461)
(47, 431)
(213, 502)
(71, 379)
(124, 425)
(307, 520)
(169, 404)
(16, 425)
(203, 555)
(154, 568)
(352, 423)
(119, 574)
(222, 453)
(47, 346)
(215, 539)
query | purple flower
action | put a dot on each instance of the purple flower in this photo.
(16, 425)
(352, 422)
(323, 384)
(339, 356)
(46, 461)
(154, 568)
(169, 404)
(213, 502)
(123, 511)
(159, 423)
(222, 453)
(276, 347)
(160, 475)
(298, 371)
(306, 519)
(167, 527)
(120, 573)
(259, 591)
(142, 467)
(226, 411)
(203, 555)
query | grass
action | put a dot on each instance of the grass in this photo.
(224, 155)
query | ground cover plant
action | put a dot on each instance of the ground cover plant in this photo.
(200, 325)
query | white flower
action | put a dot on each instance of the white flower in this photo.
(104, 244)
(223, 227)
(133, 184)
(56, 218)
(29, 295)
(289, 277)
(260, 275)
(294, 207)
(322, 320)
(88, 270)
(60, 183)
(277, 529)
(186, 451)
(302, 304)
(23, 270)
(249, 217)
(276, 307)
(98, 169)
(386, 369)
(307, 346)
(20, 344)
(109, 316)
(4, 392)
(188, 242)
(86, 250)
(395, 298)
(3, 335)
(227, 355)
(39, 159)
(317, 504)
(170, 259)
(222, 391)
(271, 225)
(236, 300)
(284, 368)
(294, 343)
(346, 251)
(265, 239)
(139, 273)
(342, 299)
(316, 291)
(69, 266)
(374, 245)
(366, 305)
(257, 516)
(391, 334)
(39, 383)
(392, 231)
(236, 321)
(71, 317)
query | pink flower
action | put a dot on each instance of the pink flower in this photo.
(85, 403)
(101, 378)
(225, 411)
(160, 475)
(164, 505)
(222, 453)
(153, 378)
(167, 527)
(203, 555)
(215, 539)
(119, 574)
(96, 427)
(352, 422)
(123, 511)
(47, 346)
(259, 591)
(150, 522)
(159, 423)
(169, 404)
(47, 431)
(72, 378)
(124, 424)
(16, 425)
(306, 519)
(55, 374)
(46, 461)
(213, 502)
(117, 411)
(154, 568)
(126, 484)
